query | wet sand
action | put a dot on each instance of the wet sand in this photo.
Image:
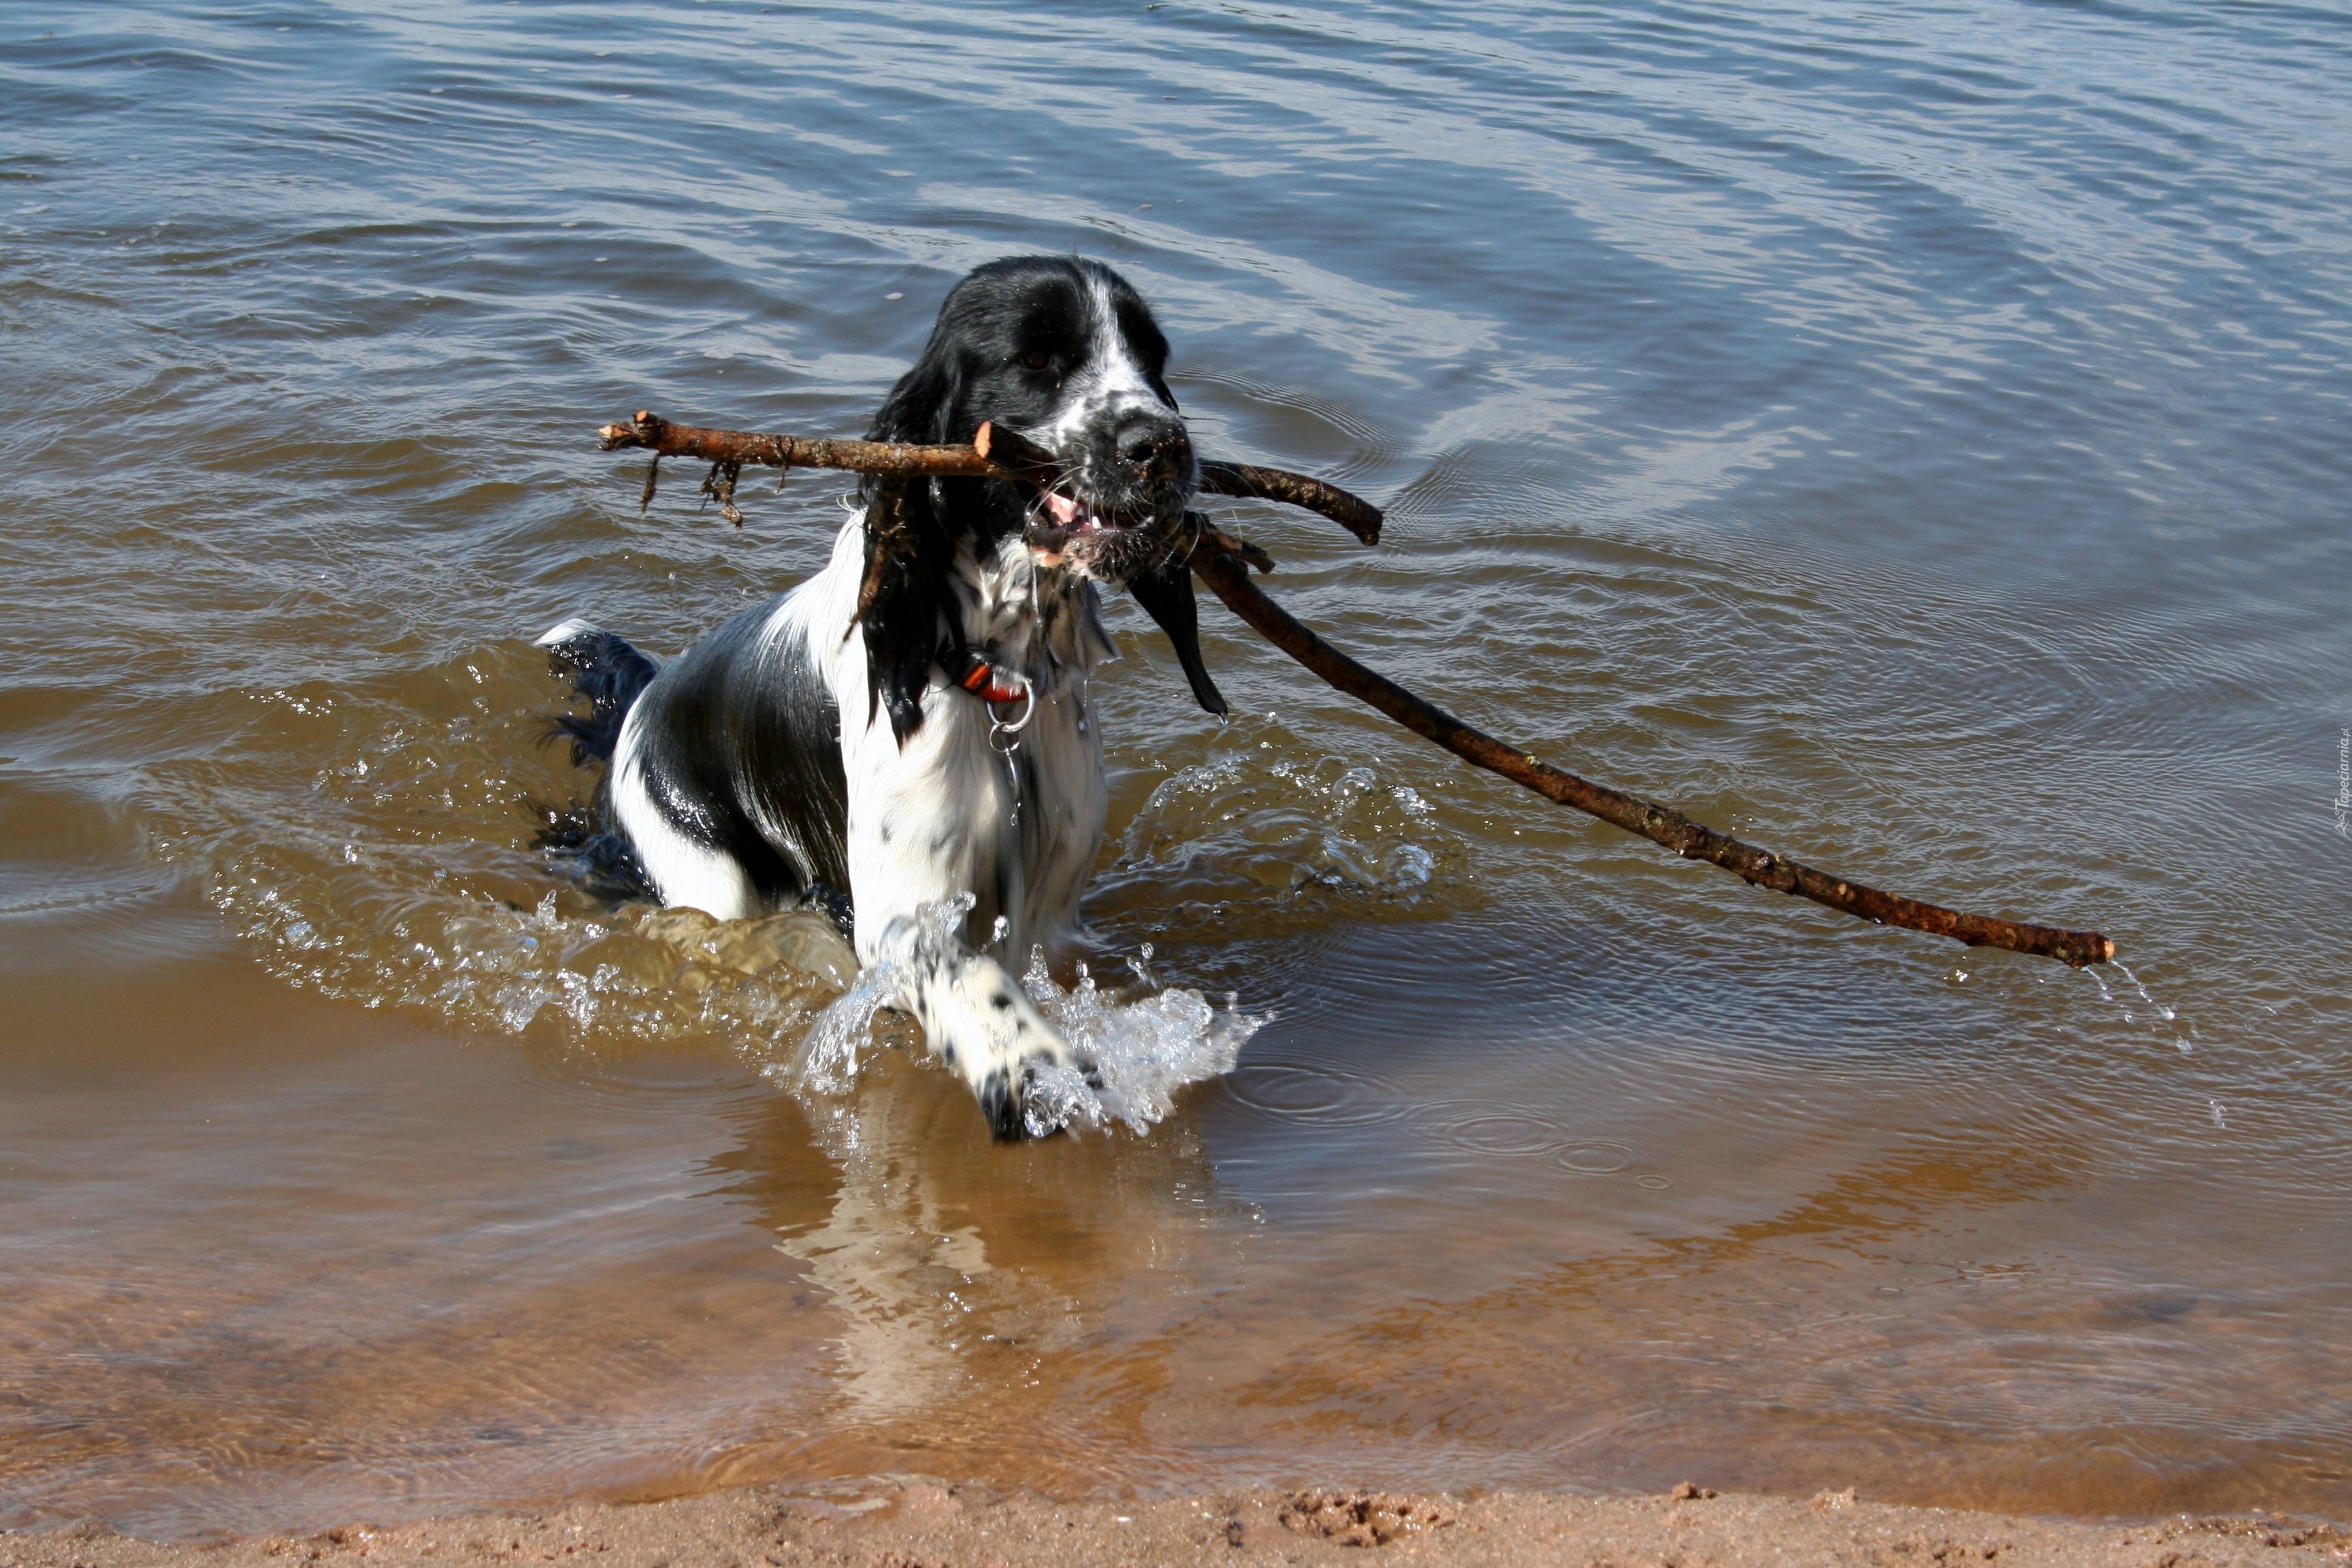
(907, 1522)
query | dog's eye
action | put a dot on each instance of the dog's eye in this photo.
(1036, 358)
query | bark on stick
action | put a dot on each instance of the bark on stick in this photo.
(996, 452)
(1218, 561)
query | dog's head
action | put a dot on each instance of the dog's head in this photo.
(1060, 351)
(1064, 352)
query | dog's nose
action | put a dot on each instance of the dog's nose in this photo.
(1160, 448)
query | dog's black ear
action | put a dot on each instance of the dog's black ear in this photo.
(1166, 595)
(908, 554)
(922, 406)
(906, 562)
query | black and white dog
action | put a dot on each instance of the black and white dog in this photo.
(942, 744)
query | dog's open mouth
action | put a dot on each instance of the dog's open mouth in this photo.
(1072, 519)
(1080, 536)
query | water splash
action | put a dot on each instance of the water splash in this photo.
(827, 1059)
(1145, 1043)
(561, 969)
(2181, 1036)
(827, 1062)
(1257, 838)
(366, 840)
(2167, 1014)
(1144, 1049)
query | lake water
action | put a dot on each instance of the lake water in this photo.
(1911, 436)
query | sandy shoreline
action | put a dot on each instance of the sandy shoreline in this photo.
(899, 1523)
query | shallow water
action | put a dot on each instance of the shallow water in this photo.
(1911, 438)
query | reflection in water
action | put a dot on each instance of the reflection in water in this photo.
(967, 1278)
(1908, 441)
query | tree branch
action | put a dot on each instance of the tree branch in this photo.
(995, 451)
(1218, 561)
(1661, 825)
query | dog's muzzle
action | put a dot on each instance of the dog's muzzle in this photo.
(1123, 495)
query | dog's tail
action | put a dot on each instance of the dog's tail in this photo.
(606, 670)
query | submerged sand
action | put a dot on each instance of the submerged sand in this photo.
(901, 1523)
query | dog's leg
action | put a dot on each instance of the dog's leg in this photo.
(931, 822)
(976, 1019)
(686, 867)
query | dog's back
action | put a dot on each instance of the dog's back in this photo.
(734, 753)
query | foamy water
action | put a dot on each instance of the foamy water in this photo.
(1143, 1044)
(336, 894)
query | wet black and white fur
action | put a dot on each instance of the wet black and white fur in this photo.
(799, 754)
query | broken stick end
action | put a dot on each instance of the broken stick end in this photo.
(2080, 950)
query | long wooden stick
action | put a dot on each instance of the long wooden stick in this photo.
(1218, 561)
(1006, 454)
(1659, 824)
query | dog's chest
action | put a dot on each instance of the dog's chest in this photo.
(1043, 622)
(1003, 800)
(1045, 627)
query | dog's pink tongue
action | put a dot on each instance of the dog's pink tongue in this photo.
(1064, 510)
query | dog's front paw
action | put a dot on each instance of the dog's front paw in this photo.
(1028, 1079)
(1039, 1097)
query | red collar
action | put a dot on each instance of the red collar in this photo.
(968, 669)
